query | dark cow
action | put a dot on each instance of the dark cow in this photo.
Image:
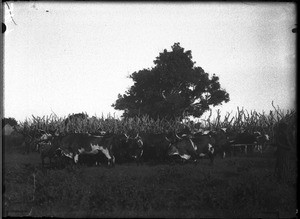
(135, 148)
(48, 147)
(262, 140)
(120, 148)
(47, 150)
(155, 147)
(221, 142)
(127, 148)
(44, 139)
(73, 145)
(92, 159)
(205, 145)
(33, 138)
(247, 139)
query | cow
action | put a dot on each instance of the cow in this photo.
(120, 148)
(205, 145)
(184, 148)
(246, 139)
(44, 139)
(221, 142)
(92, 159)
(127, 148)
(65, 157)
(155, 147)
(75, 144)
(32, 138)
(262, 140)
(135, 147)
(47, 149)
(193, 147)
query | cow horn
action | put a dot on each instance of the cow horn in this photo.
(41, 130)
(167, 139)
(137, 135)
(224, 129)
(177, 136)
(163, 95)
(56, 132)
(126, 136)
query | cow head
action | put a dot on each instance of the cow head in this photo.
(44, 139)
(135, 146)
(173, 137)
(210, 149)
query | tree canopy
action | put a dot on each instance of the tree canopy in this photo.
(11, 121)
(173, 88)
(77, 116)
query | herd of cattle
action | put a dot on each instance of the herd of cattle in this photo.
(109, 148)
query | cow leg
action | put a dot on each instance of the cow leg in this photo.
(195, 162)
(75, 158)
(111, 162)
(211, 157)
(43, 162)
(140, 161)
(26, 148)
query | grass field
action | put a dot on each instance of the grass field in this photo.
(234, 187)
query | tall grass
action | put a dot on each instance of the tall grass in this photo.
(241, 120)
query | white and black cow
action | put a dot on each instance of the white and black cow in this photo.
(205, 145)
(221, 142)
(261, 140)
(192, 147)
(75, 144)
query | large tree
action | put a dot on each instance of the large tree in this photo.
(174, 87)
(11, 121)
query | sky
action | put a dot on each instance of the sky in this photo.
(68, 57)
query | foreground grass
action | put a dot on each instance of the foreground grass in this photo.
(233, 187)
